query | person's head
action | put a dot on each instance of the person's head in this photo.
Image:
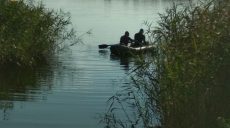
(126, 33)
(141, 31)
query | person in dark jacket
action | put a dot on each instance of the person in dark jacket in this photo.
(125, 39)
(139, 38)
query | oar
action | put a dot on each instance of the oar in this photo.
(102, 46)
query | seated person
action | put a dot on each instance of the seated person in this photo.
(125, 39)
(139, 38)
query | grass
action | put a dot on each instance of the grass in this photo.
(185, 84)
(29, 33)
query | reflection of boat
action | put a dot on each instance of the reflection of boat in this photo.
(122, 50)
(103, 52)
(124, 61)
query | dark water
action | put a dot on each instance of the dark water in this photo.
(73, 90)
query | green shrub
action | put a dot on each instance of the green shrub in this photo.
(29, 33)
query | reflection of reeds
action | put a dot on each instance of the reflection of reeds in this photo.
(29, 32)
(185, 84)
(5, 106)
(22, 84)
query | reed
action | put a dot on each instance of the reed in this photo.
(194, 55)
(29, 32)
(184, 85)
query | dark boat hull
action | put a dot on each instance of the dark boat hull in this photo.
(122, 50)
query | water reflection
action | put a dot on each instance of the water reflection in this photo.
(123, 61)
(5, 107)
(104, 53)
(80, 87)
(18, 84)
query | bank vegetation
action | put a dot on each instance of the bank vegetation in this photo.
(29, 32)
(185, 84)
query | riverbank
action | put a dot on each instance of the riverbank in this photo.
(29, 32)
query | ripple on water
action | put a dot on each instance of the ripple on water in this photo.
(75, 88)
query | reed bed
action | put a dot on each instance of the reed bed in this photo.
(185, 84)
(29, 32)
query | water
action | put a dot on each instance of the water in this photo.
(74, 89)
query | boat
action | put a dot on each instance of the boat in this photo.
(123, 50)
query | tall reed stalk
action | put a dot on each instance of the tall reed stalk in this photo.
(29, 33)
(185, 85)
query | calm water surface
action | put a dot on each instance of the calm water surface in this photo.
(74, 89)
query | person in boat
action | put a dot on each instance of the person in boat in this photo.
(139, 38)
(125, 39)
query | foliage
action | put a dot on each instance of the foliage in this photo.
(193, 61)
(29, 33)
(185, 84)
